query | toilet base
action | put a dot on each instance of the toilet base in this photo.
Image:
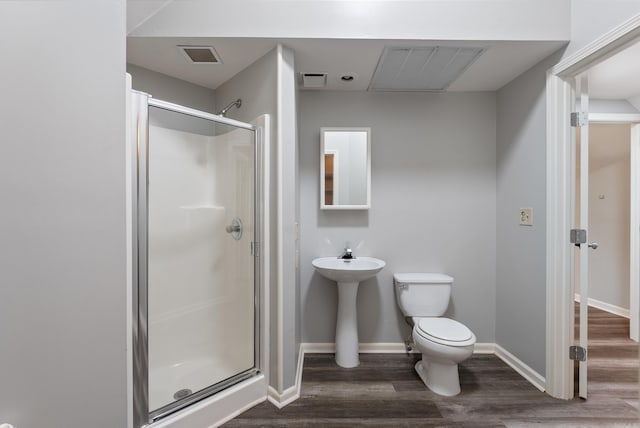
(440, 378)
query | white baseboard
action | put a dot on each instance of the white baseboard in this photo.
(288, 396)
(363, 348)
(524, 370)
(607, 307)
(484, 348)
(383, 348)
(318, 348)
(292, 393)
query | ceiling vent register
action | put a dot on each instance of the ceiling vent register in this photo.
(200, 54)
(424, 68)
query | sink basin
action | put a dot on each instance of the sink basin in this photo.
(347, 273)
(348, 270)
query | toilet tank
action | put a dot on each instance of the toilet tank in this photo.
(422, 294)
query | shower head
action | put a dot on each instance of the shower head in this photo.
(237, 103)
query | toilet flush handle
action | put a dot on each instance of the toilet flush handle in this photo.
(402, 286)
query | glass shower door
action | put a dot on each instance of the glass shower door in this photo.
(200, 266)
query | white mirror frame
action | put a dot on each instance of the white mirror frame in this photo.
(324, 206)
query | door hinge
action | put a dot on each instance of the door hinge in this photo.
(579, 118)
(577, 353)
(578, 236)
(255, 249)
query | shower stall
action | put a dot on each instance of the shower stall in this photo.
(197, 294)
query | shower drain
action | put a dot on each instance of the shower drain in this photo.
(182, 393)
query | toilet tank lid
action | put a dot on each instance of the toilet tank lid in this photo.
(422, 278)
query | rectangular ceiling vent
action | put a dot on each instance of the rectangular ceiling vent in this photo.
(430, 68)
(200, 54)
(314, 80)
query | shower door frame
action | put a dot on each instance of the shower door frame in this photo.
(141, 415)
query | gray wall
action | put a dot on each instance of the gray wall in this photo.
(521, 178)
(256, 85)
(62, 223)
(167, 88)
(521, 250)
(609, 209)
(433, 206)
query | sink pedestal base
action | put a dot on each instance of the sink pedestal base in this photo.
(347, 325)
(348, 274)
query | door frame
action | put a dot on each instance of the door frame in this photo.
(560, 103)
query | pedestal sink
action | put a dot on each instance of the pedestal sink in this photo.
(347, 273)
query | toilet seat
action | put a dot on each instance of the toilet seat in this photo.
(445, 331)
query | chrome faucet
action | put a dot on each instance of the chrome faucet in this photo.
(347, 254)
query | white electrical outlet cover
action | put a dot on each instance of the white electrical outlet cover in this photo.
(526, 216)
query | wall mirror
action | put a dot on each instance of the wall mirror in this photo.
(345, 168)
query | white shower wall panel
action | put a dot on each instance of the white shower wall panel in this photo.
(184, 215)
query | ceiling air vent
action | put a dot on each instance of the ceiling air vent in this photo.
(423, 68)
(314, 80)
(200, 54)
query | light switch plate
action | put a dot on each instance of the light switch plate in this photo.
(526, 216)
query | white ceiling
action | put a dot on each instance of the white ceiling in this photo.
(500, 63)
(617, 77)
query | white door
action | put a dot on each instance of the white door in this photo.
(581, 236)
(634, 263)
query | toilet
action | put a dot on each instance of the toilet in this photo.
(443, 342)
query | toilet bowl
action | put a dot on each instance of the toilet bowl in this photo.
(443, 342)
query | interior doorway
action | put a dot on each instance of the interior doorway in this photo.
(561, 101)
(611, 352)
(609, 217)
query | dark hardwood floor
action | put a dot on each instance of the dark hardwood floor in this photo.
(613, 363)
(385, 391)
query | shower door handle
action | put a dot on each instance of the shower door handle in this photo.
(235, 228)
